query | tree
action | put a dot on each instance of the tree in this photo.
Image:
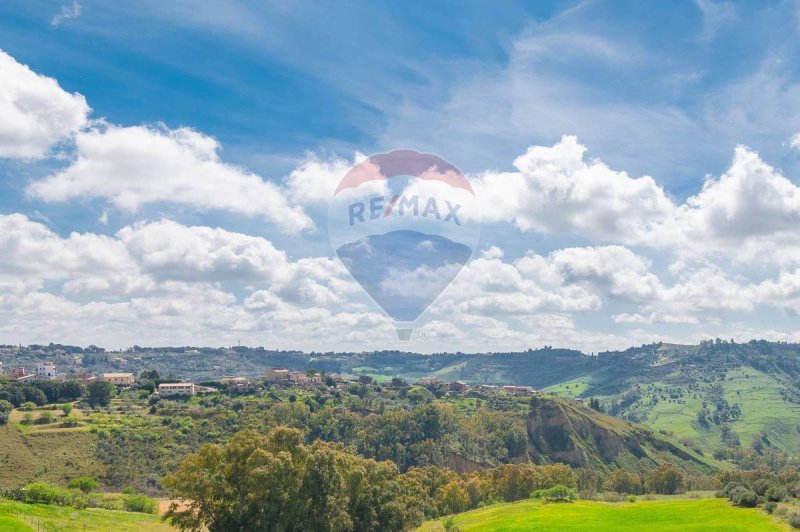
(34, 395)
(100, 393)
(452, 498)
(5, 410)
(278, 483)
(622, 481)
(666, 479)
(149, 375)
(67, 408)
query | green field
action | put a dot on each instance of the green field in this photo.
(571, 388)
(17, 516)
(661, 515)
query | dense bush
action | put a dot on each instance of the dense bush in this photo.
(665, 479)
(5, 409)
(85, 484)
(139, 503)
(44, 418)
(747, 499)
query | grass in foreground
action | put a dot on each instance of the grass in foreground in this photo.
(17, 516)
(664, 515)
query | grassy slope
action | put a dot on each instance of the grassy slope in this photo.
(664, 515)
(19, 516)
(763, 409)
(653, 445)
(51, 456)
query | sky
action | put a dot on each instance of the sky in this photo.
(166, 169)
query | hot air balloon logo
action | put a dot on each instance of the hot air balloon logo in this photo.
(404, 224)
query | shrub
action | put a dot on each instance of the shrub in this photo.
(794, 520)
(85, 484)
(770, 506)
(737, 492)
(27, 405)
(70, 422)
(27, 419)
(67, 409)
(450, 525)
(761, 486)
(610, 496)
(631, 498)
(776, 493)
(44, 493)
(748, 499)
(45, 418)
(139, 503)
(558, 493)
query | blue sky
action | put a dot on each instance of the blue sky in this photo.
(582, 249)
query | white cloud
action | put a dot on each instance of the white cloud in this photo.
(314, 180)
(555, 190)
(35, 112)
(132, 166)
(169, 250)
(68, 12)
(794, 142)
(750, 213)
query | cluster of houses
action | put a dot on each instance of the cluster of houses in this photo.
(281, 376)
(48, 371)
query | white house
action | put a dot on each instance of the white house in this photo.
(46, 370)
(168, 389)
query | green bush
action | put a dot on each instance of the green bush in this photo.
(776, 494)
(794, 520)
(558, 493)
(770, 506)
(748, 499)
(139, 503)
(85, 484)
(45, 418)
(70, 421)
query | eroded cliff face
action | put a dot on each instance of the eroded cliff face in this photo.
(568, 432)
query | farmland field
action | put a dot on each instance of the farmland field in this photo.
(17, 516)
(660, 515)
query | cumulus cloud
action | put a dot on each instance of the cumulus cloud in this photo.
(556, 190)
(163, 281)
(314, 180)
(35, 112)
(132, 166)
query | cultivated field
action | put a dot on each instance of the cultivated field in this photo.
(654, 516)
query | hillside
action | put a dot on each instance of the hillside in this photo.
(46, 455)
(568, 432)
(709, 396)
